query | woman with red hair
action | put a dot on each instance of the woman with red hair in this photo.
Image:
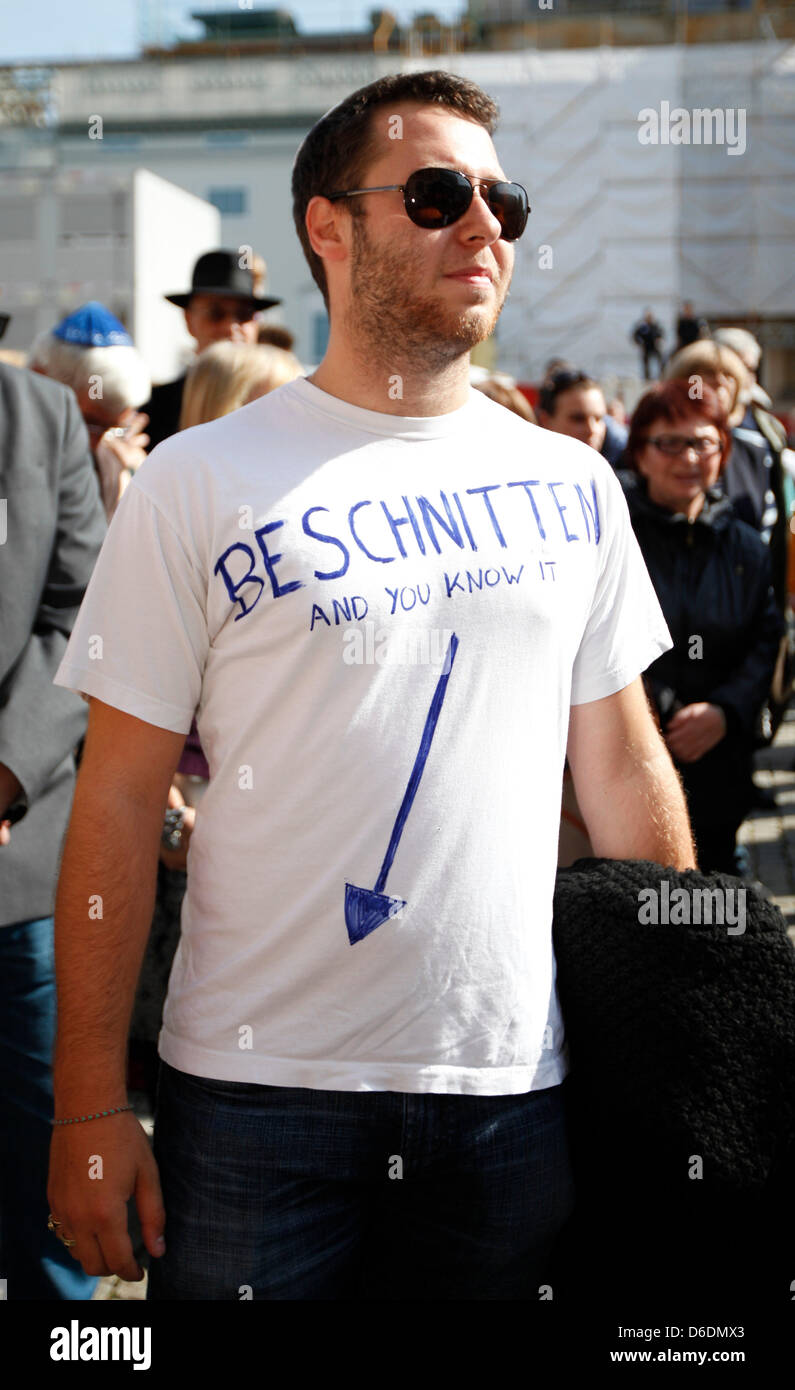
(711, 573)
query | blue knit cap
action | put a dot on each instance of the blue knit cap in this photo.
(92, 325)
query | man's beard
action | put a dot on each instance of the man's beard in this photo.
(387, 321)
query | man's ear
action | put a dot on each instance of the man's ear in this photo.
(328, 229)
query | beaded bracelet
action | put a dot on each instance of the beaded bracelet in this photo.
(78, 1119)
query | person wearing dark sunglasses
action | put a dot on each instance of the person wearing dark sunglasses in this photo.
(419, 264)
(363, 1058)
(435, 198)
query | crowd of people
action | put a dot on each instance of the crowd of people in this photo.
(701, 460)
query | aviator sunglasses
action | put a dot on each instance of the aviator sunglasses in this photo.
(438, 197)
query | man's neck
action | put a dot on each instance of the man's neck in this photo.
(384, 381)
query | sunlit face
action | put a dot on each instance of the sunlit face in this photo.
(434, 292)
(725, 387)
(215, 318)
(678, 481)
(579, 412)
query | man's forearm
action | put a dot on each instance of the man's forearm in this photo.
(103, 913)
(641, 814)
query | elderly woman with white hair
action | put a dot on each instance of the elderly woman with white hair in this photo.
(759, 419)
(92, 352)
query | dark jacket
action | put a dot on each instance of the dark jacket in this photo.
(648, 335)
(163, 408)
(615, 441)
(753, 480)
(712, 578)
(681, 1043)
(55, 527)
(689, 330)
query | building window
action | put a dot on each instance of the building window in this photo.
(230, 202)
(226, 137)
(119, 140)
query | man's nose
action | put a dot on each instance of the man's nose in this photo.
(479, 215)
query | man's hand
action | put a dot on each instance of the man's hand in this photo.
(114, 454)
(178, 858)
(92, 1210)
(10, 787)
(122, 786)
(694, 730)
(129, 449)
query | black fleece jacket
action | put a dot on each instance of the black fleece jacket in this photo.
(681, 1095)
(713, 579)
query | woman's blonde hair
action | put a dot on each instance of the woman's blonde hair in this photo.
(509, 396)
(706, 357)
(228, 375)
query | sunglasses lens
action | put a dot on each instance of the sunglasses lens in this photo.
(508, 202)
(437, 197)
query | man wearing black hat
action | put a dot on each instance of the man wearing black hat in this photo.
(220, 304)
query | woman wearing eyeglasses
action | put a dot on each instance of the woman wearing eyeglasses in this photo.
(711, 573)
(753, 476)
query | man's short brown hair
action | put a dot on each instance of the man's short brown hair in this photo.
(338, 149)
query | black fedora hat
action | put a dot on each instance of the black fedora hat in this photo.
(220, 272)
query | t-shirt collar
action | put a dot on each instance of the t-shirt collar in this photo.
(376, 422)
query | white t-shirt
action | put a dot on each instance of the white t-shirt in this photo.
(381, 623)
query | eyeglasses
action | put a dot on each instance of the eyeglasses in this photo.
(436, 198)
(675, 444)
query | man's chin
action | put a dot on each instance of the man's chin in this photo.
(469, 326)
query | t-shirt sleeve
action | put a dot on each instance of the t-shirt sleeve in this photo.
(140, 639)
(625, 631)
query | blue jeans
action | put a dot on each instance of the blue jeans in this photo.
(282, 1192)
(32, 1259)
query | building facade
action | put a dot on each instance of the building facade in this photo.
(633, 205)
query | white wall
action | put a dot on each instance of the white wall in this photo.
(632, 225)
(171, 228)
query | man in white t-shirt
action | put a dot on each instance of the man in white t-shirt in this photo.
(390, 603)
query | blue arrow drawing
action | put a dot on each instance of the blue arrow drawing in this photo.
(367, 908)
